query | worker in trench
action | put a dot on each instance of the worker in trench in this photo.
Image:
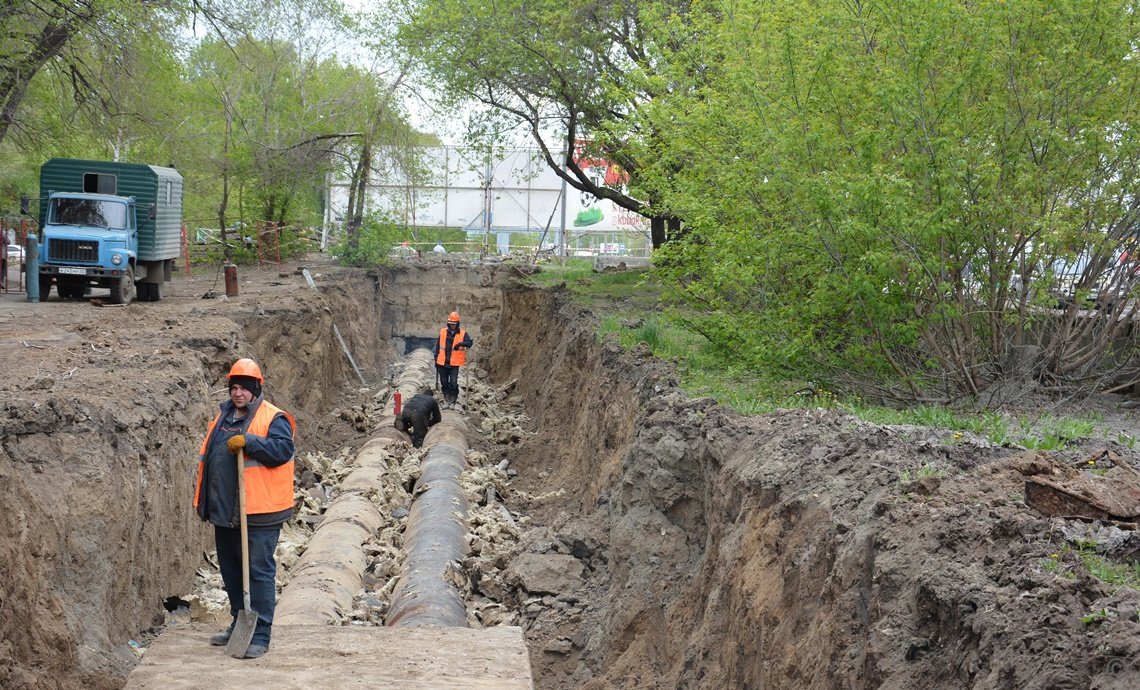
(265, 434)
(450, 352)
(418, 415)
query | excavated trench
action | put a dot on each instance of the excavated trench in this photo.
(642, 539)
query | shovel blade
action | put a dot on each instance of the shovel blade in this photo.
(242, 635)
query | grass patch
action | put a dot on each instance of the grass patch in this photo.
(1125, 574)
(573, 271)
(927, 469)
(632, 291)
(630, 305)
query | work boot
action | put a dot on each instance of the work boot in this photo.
(221, 639)
(256, 650)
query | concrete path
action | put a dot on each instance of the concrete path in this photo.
(313, 657)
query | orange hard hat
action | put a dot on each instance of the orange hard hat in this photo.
(246, 367)
(454, 318)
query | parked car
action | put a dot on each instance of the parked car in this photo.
(1112, 284)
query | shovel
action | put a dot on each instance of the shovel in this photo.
(246, 621)
(467, 384)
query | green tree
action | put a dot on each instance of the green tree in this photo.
(882, 195)
(277, 112)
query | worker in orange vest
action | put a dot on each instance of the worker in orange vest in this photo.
(265, 433)
(450, 352)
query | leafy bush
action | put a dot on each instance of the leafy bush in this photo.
(370, 245)
(918, 218)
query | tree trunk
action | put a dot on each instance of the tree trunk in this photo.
(362, 183)
(664, 228)
(17, 76)
(350, 232)
(226, 251)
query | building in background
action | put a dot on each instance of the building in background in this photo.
(505, 199)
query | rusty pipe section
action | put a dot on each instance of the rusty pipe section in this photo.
(328, 575)
(434, 540)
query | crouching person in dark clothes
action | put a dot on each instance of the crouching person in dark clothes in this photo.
(418, 415)
(265, 433)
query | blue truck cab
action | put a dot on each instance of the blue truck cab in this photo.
(110, 225)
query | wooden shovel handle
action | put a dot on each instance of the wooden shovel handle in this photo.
(244, 526)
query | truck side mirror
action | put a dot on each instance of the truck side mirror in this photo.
(151, 212)
(25, 205)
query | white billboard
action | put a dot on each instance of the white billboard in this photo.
(510, 190)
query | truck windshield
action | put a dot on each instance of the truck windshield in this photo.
(96, 212)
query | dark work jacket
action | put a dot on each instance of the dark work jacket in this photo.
(219, 504)
(417, 416)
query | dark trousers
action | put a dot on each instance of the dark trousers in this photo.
(262, 573)
(415, 423)
(448, 382)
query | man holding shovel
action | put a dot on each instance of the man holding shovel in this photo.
(249, 430)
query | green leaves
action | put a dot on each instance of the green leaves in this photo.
(909, 172)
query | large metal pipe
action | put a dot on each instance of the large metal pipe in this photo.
(328, 575)
(434, 540)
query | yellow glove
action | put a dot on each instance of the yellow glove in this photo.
(236, 443)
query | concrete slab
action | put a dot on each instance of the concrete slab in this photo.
(306, 657)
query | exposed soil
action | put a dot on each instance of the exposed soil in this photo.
(800, 549)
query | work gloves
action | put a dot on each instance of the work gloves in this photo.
(236, 443)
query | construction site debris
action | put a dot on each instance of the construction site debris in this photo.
(1091, 492)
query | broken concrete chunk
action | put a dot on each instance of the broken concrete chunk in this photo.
(559, 646)
(547, 573)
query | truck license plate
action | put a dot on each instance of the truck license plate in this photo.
(67, 270)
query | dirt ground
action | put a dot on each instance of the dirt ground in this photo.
(695, 547)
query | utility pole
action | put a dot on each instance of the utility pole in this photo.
(562, 224)
(487, 204)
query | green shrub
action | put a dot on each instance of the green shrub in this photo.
(370, 246)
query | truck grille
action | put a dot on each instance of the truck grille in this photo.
(73, 250)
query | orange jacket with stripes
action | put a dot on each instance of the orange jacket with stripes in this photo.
(267, 489)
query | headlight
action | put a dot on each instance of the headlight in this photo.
(116, 259)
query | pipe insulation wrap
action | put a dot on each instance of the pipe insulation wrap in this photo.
(328, 575)
(435, 538)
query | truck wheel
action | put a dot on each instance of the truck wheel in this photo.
(45, 287)
(143, 291)
(156, 292)
(123, 290)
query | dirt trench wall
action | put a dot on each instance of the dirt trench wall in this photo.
(780, 550)
(96, 531)
(583, 396)
(418, 296)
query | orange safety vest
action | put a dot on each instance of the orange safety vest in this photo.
(267, 489)
(458, 357)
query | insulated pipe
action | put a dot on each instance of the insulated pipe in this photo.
(418, 370)
(328, 575)
(434, 540)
